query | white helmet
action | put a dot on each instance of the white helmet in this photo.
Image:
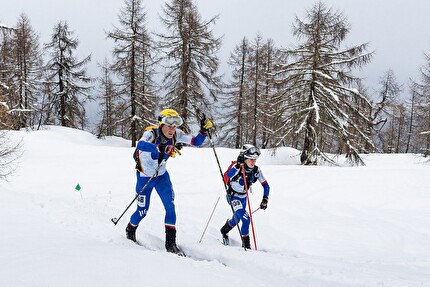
(250, 151)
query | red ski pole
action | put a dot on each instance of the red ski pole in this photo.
(249, 207)
(255, 210)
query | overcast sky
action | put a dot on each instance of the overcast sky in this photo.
(397, 30)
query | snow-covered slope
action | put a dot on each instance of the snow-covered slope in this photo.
(324, 226)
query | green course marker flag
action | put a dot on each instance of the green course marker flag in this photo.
(78, 188)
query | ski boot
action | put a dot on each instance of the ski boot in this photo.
(171, 242)
(224, 231)
(130, 232)
(246, 242)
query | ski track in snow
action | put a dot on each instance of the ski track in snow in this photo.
(320, 232)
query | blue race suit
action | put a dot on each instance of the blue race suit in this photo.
(237, 193)
(148, 155)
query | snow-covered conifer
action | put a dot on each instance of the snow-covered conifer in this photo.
(319, 94)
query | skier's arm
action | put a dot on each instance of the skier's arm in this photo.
(266, 188)
(263, 181)
(191, 140)
(146, 146)
(145, 143)
(197, 140)
(233, 171)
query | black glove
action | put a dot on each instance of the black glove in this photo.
(263, 204)
(179, 146)
(230, 193)
(162, 146)
(240, 160)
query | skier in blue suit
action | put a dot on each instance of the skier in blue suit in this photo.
(156, 145)
(237, 196)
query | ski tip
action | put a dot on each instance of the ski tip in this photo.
(177, 251)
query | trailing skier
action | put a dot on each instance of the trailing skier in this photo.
(156, 145)
(240, 176)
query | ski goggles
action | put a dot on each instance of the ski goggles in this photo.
(174, 121)
(252, 153)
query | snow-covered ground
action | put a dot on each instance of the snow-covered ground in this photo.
(324, 226)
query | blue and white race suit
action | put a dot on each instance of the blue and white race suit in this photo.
(148, 155)
(237, 193)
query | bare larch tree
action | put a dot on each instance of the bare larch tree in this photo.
(318, 91)
(66, 76)
(134, 64)
(189, 53)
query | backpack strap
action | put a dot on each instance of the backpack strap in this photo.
(228, 180)
(136, 158)
(136, 154)
(154, 130)
(256, 174)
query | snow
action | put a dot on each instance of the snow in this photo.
(324, 226)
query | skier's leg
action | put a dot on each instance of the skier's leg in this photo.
(165, 191)
(239, 206)
(224, 231)
(244, 217)
(245, 223)
(245, 230)
(143, 201)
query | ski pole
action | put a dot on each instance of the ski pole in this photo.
(216, 203)
(160, 164)
(255, 210)
(210, 217)
(249, 206)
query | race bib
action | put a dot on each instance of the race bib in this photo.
(236, 205)
(141, 200)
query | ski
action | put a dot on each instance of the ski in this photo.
(144, 245)
(226, 241)
(177, 251)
